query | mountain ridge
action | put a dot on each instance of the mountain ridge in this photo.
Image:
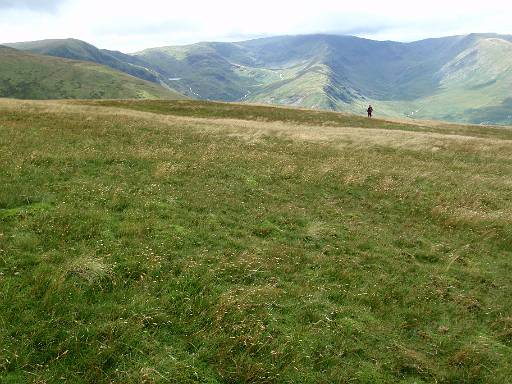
(333, 72)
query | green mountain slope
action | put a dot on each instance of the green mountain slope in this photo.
(31, 76)
(474, 86)
(363, 67)
(346, 73)
(80, 50)
(207, 71)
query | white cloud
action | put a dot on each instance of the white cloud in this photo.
(131, 26)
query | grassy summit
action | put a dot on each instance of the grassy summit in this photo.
(194, 242)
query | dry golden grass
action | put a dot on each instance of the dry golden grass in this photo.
(253, 131)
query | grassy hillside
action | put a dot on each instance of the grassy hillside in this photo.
(474, 86)
(233, 71)
(200, 71)
(194, 242)
(31, 76)
(80, 50)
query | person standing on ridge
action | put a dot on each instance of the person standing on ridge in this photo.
(370, 111)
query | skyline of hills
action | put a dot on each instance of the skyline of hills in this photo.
(458, 78)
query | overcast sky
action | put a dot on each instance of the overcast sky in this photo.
(130, 26)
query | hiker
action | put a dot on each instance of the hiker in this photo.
(370, 111)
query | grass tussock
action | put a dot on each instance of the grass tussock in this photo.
(88, 270)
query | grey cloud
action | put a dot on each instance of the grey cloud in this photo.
(36, 5)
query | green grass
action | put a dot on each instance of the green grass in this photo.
(174, 245)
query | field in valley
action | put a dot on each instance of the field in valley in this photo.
(197, 242)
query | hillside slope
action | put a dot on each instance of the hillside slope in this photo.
(474, 86)
(80, 50)
(346, 73)
(195, 242)
(30, 76)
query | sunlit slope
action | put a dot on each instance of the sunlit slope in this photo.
(30, 76)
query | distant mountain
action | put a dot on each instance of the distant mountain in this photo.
(474, 86)
(458, 78)
(31, 76)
